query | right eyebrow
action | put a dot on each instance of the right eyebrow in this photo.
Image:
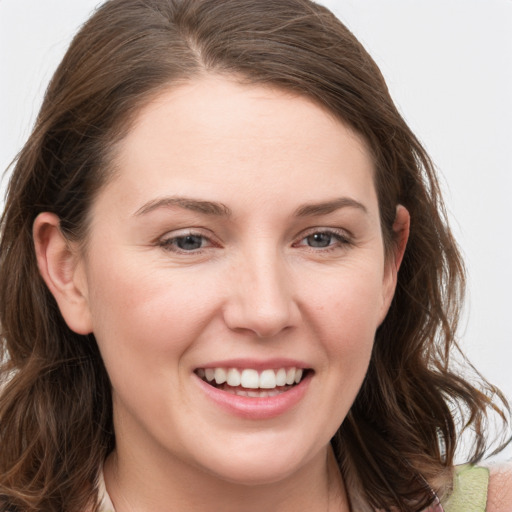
(187, 203)
(324, 208)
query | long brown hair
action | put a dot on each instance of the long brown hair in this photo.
(399, 439)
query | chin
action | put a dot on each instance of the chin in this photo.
(263, 467)
(253, 475)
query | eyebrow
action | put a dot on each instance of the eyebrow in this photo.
(205, 207)
(324, 208)
(221, 210)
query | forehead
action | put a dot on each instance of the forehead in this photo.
(216, 133)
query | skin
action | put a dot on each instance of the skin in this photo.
(499, 497)
(259, 287)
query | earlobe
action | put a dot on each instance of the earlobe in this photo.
(401, 227)
(62, 271)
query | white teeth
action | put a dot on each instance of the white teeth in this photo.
(233, 377)
(281, 377)
(252, 379)
(290, 376)
(268, 379)
(220, 375)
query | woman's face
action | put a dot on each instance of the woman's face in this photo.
(239, 239)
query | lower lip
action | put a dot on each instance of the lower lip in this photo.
(257, 408)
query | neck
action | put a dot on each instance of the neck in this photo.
(139, 487)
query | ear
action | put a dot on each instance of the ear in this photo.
(401, 227)
(62, 270)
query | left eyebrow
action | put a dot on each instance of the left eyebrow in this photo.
(324, 208)
(187, 203)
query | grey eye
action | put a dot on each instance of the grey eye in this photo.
(189, 242)
(319, 240)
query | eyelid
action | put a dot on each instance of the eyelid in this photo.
(325, 229)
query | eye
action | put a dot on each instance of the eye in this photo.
(319, 240)
(324, 239)
(189, 242)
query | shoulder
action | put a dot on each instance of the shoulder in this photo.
(499, 497)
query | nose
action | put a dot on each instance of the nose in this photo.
(261, 300)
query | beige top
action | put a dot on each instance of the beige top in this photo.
(106, 504)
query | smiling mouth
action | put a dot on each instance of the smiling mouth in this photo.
(252, 383)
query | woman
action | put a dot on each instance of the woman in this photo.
(227, 281)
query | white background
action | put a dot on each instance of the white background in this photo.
(448, 64)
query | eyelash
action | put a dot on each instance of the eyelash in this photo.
(340, 237)
(170, 244)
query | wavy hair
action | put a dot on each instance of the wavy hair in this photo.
(397, 444)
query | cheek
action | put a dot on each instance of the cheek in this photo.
(145, 324)
(345, 315)
(145, 318)
(348, 303)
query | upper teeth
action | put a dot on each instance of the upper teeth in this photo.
(252, 379)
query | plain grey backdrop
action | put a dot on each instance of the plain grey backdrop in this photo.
(448, 64)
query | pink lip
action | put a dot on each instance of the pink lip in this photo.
(257, 364)
(256, 408)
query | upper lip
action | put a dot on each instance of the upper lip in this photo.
(256, 364)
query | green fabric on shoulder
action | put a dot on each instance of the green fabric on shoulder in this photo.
(469, 490)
